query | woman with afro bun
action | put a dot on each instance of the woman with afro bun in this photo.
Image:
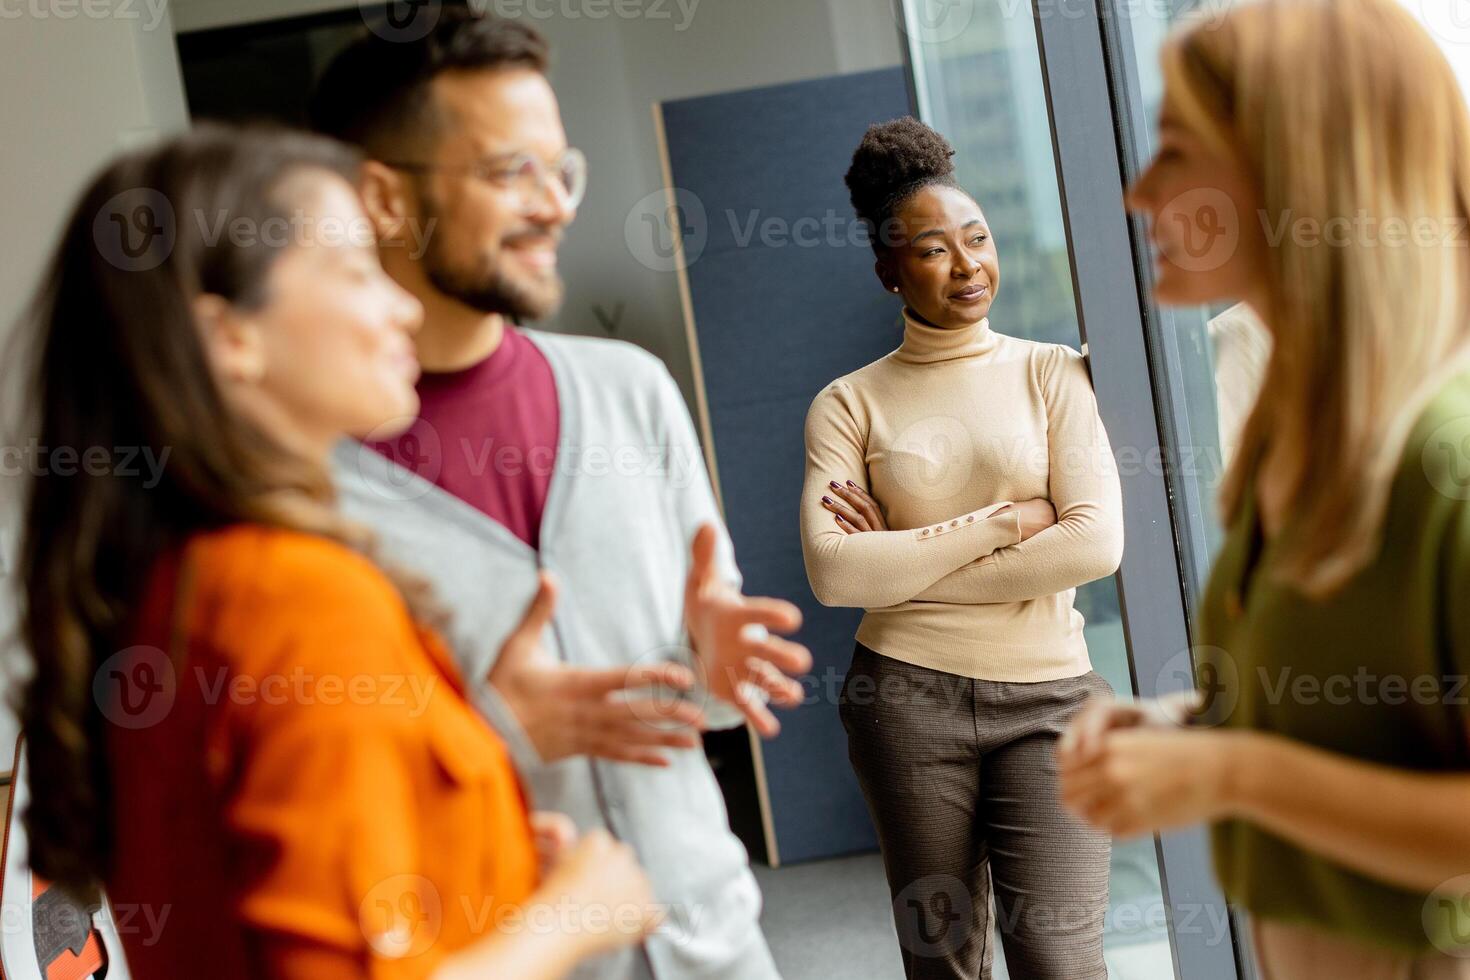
(959, 490)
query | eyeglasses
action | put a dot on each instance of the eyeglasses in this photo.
(520, 175)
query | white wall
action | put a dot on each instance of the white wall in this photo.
(77, 90)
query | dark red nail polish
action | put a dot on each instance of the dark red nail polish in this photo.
(826, 500)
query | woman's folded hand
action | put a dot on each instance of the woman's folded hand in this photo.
(1037, 515)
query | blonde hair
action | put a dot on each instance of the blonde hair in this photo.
(1337, 110)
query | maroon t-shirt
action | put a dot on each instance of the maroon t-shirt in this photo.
(488, 433)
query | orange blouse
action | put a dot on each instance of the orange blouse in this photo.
(299, 788)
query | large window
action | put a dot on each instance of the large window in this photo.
(1209, 360)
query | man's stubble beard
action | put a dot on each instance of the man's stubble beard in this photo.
(483, 286)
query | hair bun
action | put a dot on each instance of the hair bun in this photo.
(895, 157)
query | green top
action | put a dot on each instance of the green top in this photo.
(1377, 671)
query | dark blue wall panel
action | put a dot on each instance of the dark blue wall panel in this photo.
(775, 323)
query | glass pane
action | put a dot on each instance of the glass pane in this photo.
(1212, 357)
(978, 77)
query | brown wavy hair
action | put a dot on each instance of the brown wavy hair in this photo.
(118, 361)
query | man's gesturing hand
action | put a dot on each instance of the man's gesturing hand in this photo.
(567, 711)
(731, 634)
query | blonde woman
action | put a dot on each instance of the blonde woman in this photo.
(1331, 753)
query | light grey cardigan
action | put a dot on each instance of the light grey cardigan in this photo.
(628, 492)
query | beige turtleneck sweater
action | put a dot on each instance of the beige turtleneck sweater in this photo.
(942, 432)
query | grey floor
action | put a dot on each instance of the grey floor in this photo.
(830, 920)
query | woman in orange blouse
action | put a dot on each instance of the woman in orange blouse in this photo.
(236, 723)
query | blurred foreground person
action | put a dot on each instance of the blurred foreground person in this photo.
(239, 723)
(535, 451)
(1331, 749)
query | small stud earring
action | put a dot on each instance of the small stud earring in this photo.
(895, 289)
